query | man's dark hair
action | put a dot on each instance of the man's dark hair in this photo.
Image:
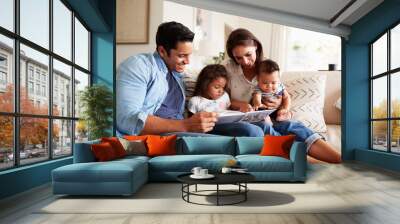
(170, 33)
(206, 76)
(267, 66)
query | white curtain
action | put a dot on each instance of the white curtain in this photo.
(277, 51)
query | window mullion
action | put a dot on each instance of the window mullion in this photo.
(16, 83)
(389, 106)
(73, 82)
(50, 81)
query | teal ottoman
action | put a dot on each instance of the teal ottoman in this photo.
(118, 177)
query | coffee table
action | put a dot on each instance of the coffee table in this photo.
(238, 179)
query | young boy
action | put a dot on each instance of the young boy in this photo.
(269, 87)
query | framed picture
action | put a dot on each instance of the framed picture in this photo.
(133, 21)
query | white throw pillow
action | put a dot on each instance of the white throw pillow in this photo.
(308, 94)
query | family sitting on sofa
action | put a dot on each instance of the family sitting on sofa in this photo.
(151, 93)
(157, 143)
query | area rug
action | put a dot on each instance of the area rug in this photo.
(167, 198)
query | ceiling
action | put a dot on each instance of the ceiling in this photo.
(317, 15)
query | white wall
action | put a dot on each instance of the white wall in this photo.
(163, 11)
(155, 18)
(179, 13)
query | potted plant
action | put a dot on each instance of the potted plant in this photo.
(96, 102)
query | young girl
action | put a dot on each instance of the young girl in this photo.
(209, 94)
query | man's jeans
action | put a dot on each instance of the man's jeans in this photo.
(257, 129)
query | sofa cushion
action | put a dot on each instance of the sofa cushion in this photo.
(103, 152)
(161, 145)
(116, 145)
(135, 147)
(308, 94)
(83, 152)
(257, 163)
(277, 145)
(249, 145)
(112, 171)
(185, 163)
(208, 145)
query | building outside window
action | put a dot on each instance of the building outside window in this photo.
(34, 82)
(43, 90)
(3, 71)
(30, 72)
(30, 87)
(385, 96)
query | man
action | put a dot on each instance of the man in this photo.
(150, 91)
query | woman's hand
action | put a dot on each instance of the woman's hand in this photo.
(273, 103)
(245, 107)
(259, 106)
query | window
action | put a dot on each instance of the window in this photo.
(385, 96)
(30, 87)
(3, 61)
(38, 74)
(81, 45)
(3, 78)
(54, 125)
(38, 89)
(3, 71)
(7, 14)
(311, 51)
(43, 90)
(30, 73)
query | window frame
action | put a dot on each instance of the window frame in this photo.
(388, 74)
(16, 114)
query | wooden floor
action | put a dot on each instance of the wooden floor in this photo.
(378, 188)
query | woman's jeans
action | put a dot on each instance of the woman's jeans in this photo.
(259, 129)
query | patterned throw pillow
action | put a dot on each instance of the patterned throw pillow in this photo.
(134, 147)
(308, 95)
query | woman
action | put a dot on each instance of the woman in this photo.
(245, 53)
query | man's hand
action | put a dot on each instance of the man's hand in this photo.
(273, 103)
(201, 122)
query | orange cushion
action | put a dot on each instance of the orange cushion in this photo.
(161, 145)
(103, 151)
(116, 145)
(277, 145)
(136, 137)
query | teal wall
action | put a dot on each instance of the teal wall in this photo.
(356, 100)
(99, 16)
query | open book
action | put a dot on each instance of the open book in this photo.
(229, 116)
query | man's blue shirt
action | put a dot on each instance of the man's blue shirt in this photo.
(142, 87)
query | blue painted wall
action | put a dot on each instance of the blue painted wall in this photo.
(99, 15)
(356, 85)
(103, 52)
